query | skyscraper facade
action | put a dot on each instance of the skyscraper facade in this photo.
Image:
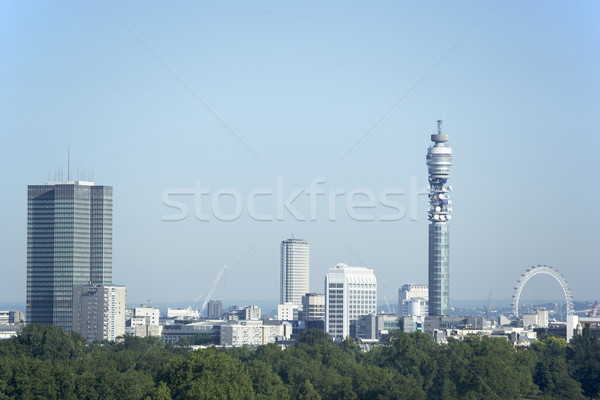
(294, 271)
(69, 243)
(350, 292)
(439, 161)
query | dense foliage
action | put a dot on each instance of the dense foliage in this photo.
(44, 362)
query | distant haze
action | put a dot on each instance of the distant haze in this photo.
(297, 92)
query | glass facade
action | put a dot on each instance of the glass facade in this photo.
(69, 243)
(439, 269)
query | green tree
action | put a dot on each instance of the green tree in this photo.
(197, 340)
(207, 374)
(525, 362)
(415, 355)
(160, 392)
(48, 342)
(266, 383)
(487, 367)
(372, 382)
(583, 358)
(105, 382)
(551, 373)
(312, 337)
(306, 391)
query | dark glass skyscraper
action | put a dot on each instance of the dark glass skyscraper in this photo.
(69, 243)
(439, 161)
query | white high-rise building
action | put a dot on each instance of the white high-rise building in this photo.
(350, 292)
(294, 271)
(99, 311)
(413, 300)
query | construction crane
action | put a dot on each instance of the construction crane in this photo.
(388, 304)
(490, 304)
(594, 310)
(212, 288)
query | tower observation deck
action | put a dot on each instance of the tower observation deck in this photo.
(439, 161)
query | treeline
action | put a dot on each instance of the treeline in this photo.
(45, 363)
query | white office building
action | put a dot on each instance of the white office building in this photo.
(536, 319)
(145, 321)
(350, 292)
(150, 314)
(413, 300)
(294, 271)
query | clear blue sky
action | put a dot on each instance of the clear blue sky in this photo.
(301, 83)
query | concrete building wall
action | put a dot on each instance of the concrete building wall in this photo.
(251, 313)
(151, 313)
(99, 311)
(251, 333)
(413, 299)
(287, 312)
(313, 307)
(215, 309)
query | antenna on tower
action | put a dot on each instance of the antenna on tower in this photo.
(68, 163)
(439, 122)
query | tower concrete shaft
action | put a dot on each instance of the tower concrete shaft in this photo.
(439, 161)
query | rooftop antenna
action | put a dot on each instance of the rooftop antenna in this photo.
(293, 236)
(439, 123)
(69, 163)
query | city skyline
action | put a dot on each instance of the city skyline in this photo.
(348, 94)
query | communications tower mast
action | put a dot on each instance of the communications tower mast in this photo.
(439, 161)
